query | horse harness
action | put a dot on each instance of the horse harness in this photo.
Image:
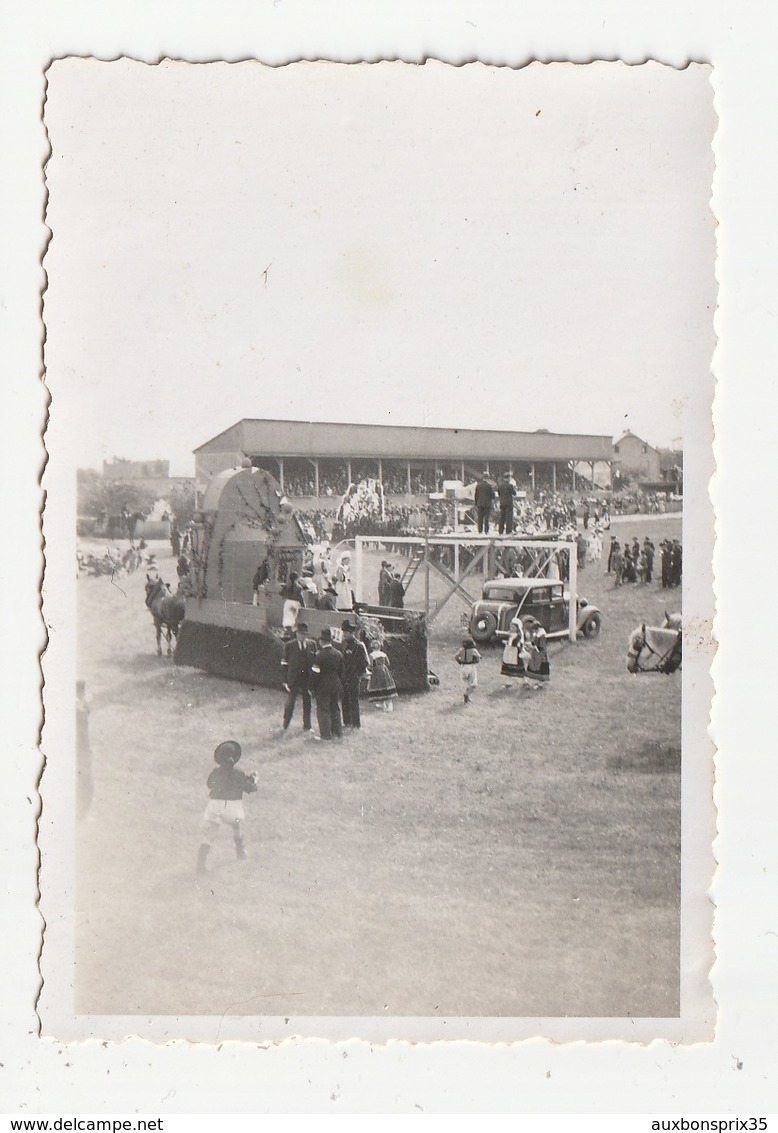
(669, 661)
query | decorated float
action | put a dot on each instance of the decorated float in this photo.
(245, 546)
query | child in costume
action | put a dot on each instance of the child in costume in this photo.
(468, 658)
(227, 786)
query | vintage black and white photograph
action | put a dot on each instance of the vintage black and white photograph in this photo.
(378, 551)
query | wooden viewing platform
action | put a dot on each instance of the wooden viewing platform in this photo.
(486, 556)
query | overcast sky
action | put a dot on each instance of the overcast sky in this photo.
(383, 243)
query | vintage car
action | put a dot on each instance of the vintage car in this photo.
(541, 598)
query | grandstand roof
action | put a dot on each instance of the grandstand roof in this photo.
(329, 439)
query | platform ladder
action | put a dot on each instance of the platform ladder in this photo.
(414, 562)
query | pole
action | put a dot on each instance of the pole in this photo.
(358, 580)
(456, 532)
(572, 623)
(427, 569)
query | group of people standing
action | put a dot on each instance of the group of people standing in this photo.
(333, 675)
(633, 563)
(391, 592)
(524, 658)
(322, 591)
(485, 493)
(318, 588)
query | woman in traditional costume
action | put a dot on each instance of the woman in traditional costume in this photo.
(381, 691)
(515, 655)
(538, 668)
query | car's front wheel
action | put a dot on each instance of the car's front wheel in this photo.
(483, 627)
(591, 626)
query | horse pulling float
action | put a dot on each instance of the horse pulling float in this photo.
(245, 544)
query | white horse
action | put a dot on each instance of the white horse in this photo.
(656, 649)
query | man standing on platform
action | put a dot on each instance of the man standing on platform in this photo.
(396, 592)
(484, 498)
(298, 659)
(384, 581)
(506, 492)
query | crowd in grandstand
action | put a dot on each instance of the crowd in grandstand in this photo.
(640, 503)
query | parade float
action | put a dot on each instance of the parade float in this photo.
(244, 546)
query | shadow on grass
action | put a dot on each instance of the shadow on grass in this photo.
(648, 759)
(138, 664)
(291, 750)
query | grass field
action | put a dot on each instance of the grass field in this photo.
(515, 857)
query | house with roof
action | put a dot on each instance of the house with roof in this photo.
(635, 459)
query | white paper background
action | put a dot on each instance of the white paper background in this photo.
(736, 1073)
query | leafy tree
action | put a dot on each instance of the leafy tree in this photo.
(182, 504)
(107, 498)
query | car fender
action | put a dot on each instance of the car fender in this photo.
(584, 613)
(496, 610)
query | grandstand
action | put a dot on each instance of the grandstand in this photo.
(315, 461)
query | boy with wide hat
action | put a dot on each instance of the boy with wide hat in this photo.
(227, 786)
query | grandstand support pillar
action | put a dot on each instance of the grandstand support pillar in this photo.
(427, 572)
(553, 476)
(315, 464)
(591, 465)
(572, 622)
(408, 470)
(380, 471)
(358, 570)
(462, 470)
(573, 471)
(532, 476)
(281, 473)
(348, 472)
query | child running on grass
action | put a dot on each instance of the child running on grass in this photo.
(467, 658)
(227, 786)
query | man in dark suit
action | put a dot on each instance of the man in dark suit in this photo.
(356, 664)
(506, 493)
(299, 655)
(484, 497)
(327, 684)
(396, 592)
(384, 579)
